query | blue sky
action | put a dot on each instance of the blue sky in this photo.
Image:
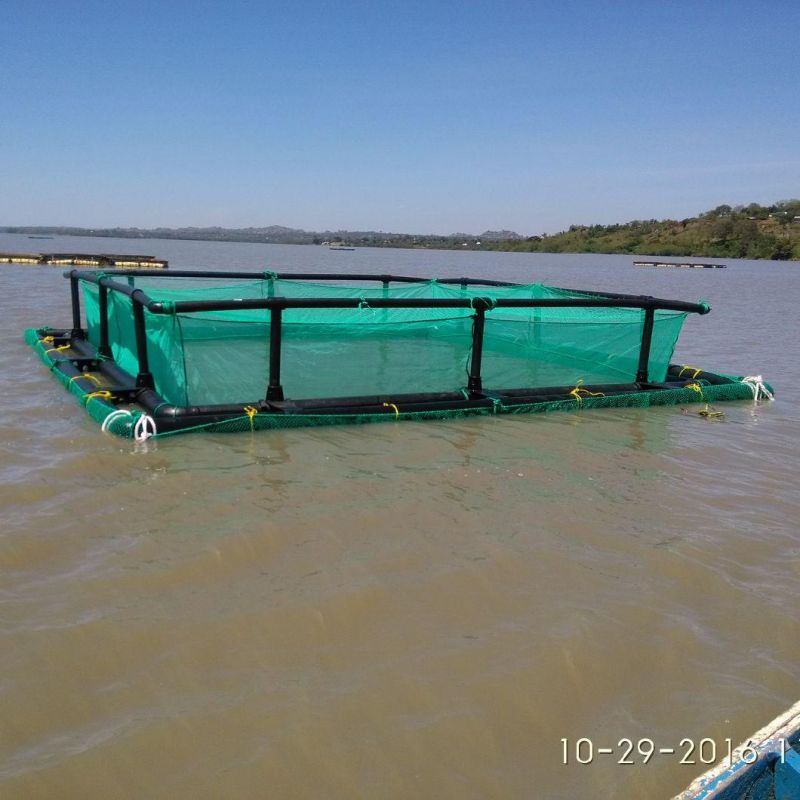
(428, 117)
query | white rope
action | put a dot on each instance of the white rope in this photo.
(114, 415)
(144, 428)
(759, 389)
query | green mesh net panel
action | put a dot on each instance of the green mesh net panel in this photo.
(223, 356)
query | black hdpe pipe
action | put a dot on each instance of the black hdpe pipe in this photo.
(194, 306)
(591, 300)
(297, 276)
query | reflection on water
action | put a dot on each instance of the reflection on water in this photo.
(402, 609)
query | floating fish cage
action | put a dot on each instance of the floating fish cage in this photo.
(226, 351)
(84, 260)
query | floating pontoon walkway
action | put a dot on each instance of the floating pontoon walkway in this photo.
(85, 260)
(243, 350)
(678, 264)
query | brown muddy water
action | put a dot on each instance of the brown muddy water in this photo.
(401, 610)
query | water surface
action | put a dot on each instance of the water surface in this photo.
(405, 609)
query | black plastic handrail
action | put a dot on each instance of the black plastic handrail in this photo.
(487, 303)
(603, 299)
(91, 275)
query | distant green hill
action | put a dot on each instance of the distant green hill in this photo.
(752, 231)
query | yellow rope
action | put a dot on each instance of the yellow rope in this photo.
(694, 370)
(695, 387)
(88, 376)
(396, 409)
(57, 349)
(48, 339)
(251, 411)
(103, 394)
(710, 413)
(578, 392)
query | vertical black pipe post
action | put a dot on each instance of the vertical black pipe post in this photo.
(144, 378)
(475, 385)
(385, 293)
(644, 349)
(274, 388)
(105, 348)
(77, 333)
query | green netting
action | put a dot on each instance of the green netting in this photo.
(223, 357)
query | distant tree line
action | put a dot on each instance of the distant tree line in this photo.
(752, 231)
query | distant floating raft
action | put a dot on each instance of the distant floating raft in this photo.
(679, 264)
(105, 260)
(270, 350)
(21, 258)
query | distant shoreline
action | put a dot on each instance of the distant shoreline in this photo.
(750, 232)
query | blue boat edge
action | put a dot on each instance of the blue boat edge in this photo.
(765, 766)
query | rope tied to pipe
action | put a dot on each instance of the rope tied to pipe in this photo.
(85, 376)
(695, 387)
(578, 392)
(102, 394)
(758, 387)
(694, 370)
(707, 411)
(144, 428)
(251, 412)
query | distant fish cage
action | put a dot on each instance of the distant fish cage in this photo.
(678, 264)
(20, 258)
(85, 260)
